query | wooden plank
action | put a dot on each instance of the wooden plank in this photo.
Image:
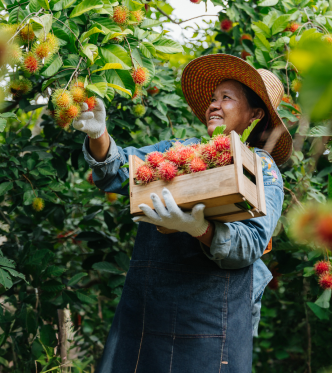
(188, 190)
(132, 171)
(237, 159)
(260, 185)
(250, 192)
(248, 159)
(237, 216)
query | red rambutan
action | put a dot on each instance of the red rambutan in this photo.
(138, 15)
(42, 50)
(140, 75)
(153, 91)
(27, 34)
(195, 1)
(78, 93)
(209, 152)
(167, 171)
(226, 25)
(322, 267)
(245, 37)
(31, 63)
(185, 155)
(89, 179)
(324, 230)
(223, 159)
(91, 102)
(245, 54)
(120, 14)
(325, 281)
(197, 164)
(293, 27)
(145, 174)
(155, 158)
(222, 142)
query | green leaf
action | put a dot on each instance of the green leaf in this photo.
(147, 49)
(106, 267)
(329, 187)
(90, 51)
(85, 298)
(262, 43)
(324, 300)
(268, 3)
(52, 286)
(54, 271)
(75, 279)
(5, 187)
(48, 336)
(123, 261)
(247, 131)
(219, 130)
(3, 123)
(321, 313)
(15, 273)
(120, 78)
(98, 88)
(109, 66)
(278, 65)
(149, 23)
(28, 197)
(116, 280)
(115, 54)
(260, 27)
(41, 25)
(93, 30)
(85, 6)
(5, 279)
(308, 271)
(54, 67)
(44, 4)
(319, 131)
(9, 115)
(168, 46)
(280, 23)
(117, 87)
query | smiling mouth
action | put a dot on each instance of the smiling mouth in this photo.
(215, 117)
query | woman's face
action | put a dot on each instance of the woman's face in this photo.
(229, 106)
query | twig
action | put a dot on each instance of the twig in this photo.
(70, 31)
(26, 125)
(72, 75)
(31, 185)
(179, 23)
(5, 217)
(23, 23)
(131, 56)
(171, 124)
(294, 198)
(15, 6)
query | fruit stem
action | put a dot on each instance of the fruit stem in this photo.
(72, 75)
(31, 186)
(131, 56)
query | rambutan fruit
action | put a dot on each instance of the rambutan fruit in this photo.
(42, 50)
(138, 92)
(77, 83)
(38, 204)
(325, 281)
(62, 119)
(208, 152)
(245, 54)
(91, 102)
(27, 34)
(197, 164)
(226, 25)
(195, 1)
(139, 110)
(153, 91)
(293, 26)
(138, 15)
(172, 156)
(167, 171)
(324, 229)
(154, 159)
(328, 38)
(120, 15)
(72, 111)
(89, 179)
(78, 94)
(140, 75)
(245, 37)
(111, 197)
(19, 87)
(8, 30)
(322, 267)
(296, 85)
(14, 54)
(298, 112)
(185, 155)
(31, 63)
(62, 99)
(222, 142)
(287, 98)
(145, 174)
(53, 42)
(223, 159)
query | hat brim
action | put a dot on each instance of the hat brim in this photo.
(200, 79)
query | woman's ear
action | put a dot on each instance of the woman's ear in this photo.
(258, 113)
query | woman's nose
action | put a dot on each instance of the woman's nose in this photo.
(215, 105)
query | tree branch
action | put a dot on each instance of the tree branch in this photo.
(294, 198)
(179, 23)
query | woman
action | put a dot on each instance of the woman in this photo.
(191, 299)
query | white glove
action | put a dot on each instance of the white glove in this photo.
(93, 123)
(173, 217)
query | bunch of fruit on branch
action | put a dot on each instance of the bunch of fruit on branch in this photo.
(185, 159)
(68, 103)
(23, 51)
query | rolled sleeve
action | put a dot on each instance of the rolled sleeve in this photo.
(112, 154)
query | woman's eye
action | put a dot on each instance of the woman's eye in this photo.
(226, 96)
(213, 100)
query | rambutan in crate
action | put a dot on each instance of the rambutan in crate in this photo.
(230, 193)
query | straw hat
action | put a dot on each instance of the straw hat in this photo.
(201, 77)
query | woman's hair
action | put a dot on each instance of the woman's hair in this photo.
(255, 101)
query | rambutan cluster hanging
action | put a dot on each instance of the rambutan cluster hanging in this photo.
(67, 103)
(185, 159)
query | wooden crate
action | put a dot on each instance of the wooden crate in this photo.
(220, 189)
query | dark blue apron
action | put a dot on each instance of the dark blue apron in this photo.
(179, 312)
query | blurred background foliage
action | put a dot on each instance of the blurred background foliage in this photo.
(74, 252)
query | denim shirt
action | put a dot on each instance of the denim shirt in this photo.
(234, 245)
